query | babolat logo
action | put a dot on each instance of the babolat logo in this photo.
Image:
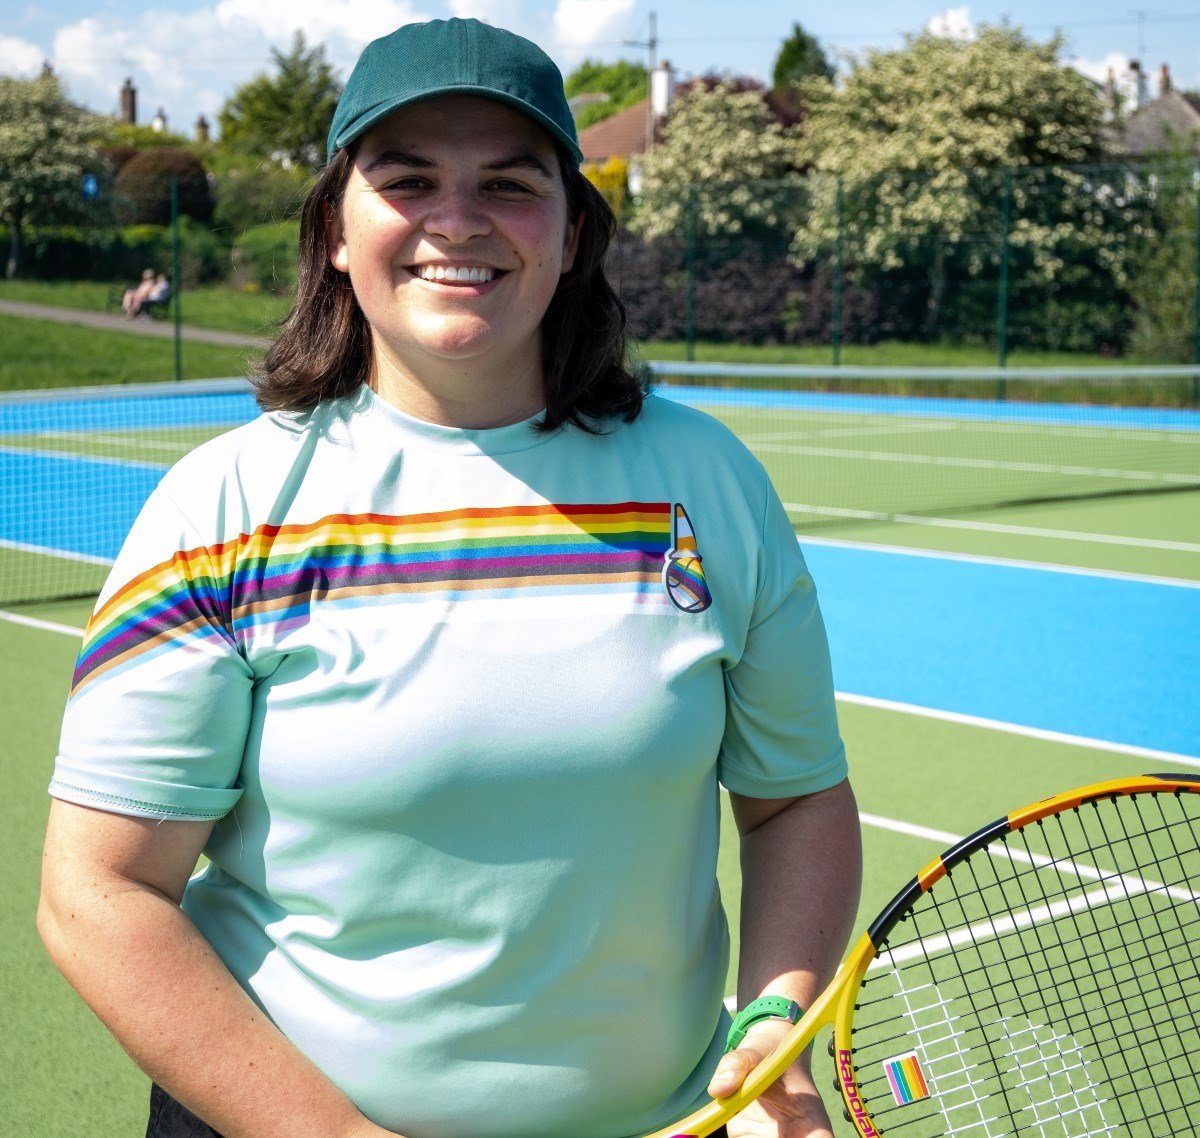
(854, 1103)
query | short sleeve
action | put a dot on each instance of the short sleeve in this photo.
(156, 722)
(781, 732)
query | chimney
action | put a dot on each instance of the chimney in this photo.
(129, 103)
(158, 124)
(1110, 87)
(1164, 81)
(202, 129)
(47, 70)
(662, 89)
(1140, 99)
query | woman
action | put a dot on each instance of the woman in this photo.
(440, 662)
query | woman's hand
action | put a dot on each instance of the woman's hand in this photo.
(790, 1108)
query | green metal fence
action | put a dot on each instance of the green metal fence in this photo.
(1082, 260)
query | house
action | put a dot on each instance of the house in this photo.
(1168, 124)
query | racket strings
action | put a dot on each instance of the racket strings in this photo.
(1047, 986)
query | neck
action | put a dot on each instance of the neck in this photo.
(469, 394)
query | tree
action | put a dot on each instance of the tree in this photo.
(47, 147)
(254, 191)
(1164, 285)
(285, 116)
(723, 158)
(143, 187)
(800, 58)
(623, 82)
(915, 142)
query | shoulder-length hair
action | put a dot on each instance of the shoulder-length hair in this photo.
(324, 348)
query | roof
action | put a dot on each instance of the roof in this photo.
(617, 136)
(1164, 124)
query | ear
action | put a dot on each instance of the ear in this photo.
(335, 239)
(571, 242)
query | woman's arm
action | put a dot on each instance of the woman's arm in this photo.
(801, 874)
(109, 917)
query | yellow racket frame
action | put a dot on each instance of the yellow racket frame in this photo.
(834, 1007)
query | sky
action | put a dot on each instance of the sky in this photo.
(188, 56)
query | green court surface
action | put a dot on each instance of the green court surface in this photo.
(64, 1075)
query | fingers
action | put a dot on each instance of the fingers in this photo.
(731, 1072)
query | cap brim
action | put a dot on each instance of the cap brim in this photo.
(375, 115)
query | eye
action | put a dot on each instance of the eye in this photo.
(508, 186)
(407, 182)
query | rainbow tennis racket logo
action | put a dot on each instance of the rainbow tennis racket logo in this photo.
(905, 1077)
(683, 573)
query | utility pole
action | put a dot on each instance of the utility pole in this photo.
(651, 47)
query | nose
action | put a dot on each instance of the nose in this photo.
(457, 215)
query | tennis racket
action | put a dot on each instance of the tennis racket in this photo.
(1041, 977)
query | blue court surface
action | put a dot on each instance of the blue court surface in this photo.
(1102, 656)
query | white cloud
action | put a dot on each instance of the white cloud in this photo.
(20, 57)
(499, 13)
(1097, 69)
(189, 63)
(953, 24)
(583, 27)
(344, 26)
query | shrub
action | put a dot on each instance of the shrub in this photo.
(143, 187)
(265, 256)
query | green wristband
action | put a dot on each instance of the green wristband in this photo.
(766, 1007)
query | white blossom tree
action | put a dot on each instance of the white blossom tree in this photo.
(724, 157)
(47, 146)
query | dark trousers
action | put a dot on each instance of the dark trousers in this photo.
(171, 1119)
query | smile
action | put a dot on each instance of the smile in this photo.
(450, 274)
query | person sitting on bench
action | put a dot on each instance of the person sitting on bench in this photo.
(158, 297)
(135, 297)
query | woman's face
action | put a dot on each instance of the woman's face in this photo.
(454, 233)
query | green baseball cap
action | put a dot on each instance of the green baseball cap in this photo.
(452, 57)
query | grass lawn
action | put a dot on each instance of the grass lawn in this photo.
(230, 310)
(226, 309)
(40, 353)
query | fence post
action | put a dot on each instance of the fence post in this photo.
(837, 278)
(1002, 289)
(1196, 299)
(176, 277)
(690, 317)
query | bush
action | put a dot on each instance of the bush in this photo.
(143, 187)
(745, 293)
(121, 254)
(266, 256)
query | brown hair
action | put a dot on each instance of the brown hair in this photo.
(324, 348)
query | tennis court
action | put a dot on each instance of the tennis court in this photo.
(1012, 591)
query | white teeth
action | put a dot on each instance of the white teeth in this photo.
(453, 273)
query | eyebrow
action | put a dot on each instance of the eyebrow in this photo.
(394, 157)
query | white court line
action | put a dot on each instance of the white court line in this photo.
(995, 927)
(987, 464)
(1078, 869)
(1007, 728)
(868, 701)
(832, 432)
(119, 440)
(65, 554)
(41, 625)
(1004, 562)
(992, 527)
(70, 456)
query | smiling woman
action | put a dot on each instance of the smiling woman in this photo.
(442, 662)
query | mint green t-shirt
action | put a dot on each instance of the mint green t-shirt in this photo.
(460, 702)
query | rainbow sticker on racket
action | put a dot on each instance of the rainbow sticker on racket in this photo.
(683, 573)
(905, 1077)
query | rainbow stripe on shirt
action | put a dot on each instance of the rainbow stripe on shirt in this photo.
(274, 575)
